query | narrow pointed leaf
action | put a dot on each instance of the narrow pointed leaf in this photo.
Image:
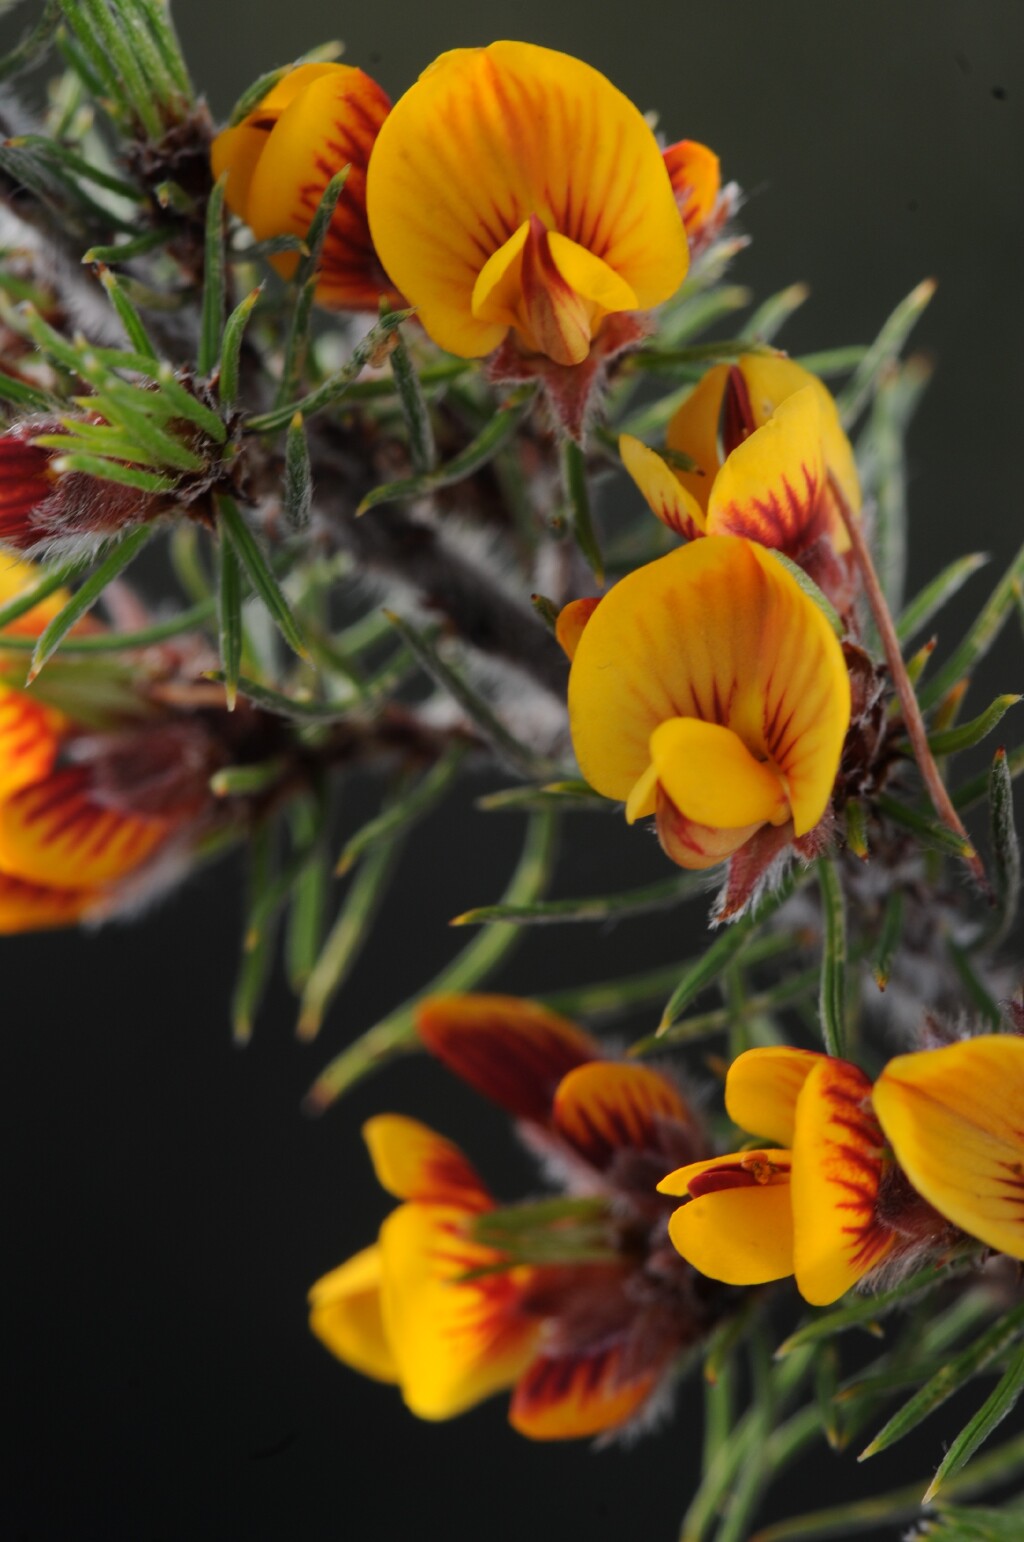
(832, 997)
(231, 347)
(518, 757)
(500, 428)
(604, 907)
(894, 332)
(888, 939)
(404, 809)
(334, 389)
(980, 636)
(29, 598)
(298, 479)
(396, 1034)
(212, 323)
(422, 448)
(986, 1348)
(928, 831)
(306, 915)
(254, 969)
(927, 603)
(229, 613)
(866, 1311)
(953, 740)
(293, 707)
(86, 596)
(129, 317)
(235, 529)
(567, 797)
(1006, 863)
(577, 493)
(772, 314)
(20, 394)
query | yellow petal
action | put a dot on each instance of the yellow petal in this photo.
(488, 137)
(412, 1162)
(954, 1118)
(711, 776)
(837, 1170)
(455, 1341)
(572, 618)
(743, 1234)
(30, 734)
(56, 833)
(345, 1315)
(693, 431)
(332, 123)
(696, 179)
(666, 496)
(773, 487)
(643, 796)
(721, 632)
(762, 1087)
(237, 150)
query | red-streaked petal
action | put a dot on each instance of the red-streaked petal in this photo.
(773, 488)
(762, 1087)
(54, 832)
(412, 1162)
(955, 1120)
(694, 846)
(345, 1314)
(606, 1106)
(455, 1340)
(566, 1397)
(736, 1170)
(837, 1170)
(572, 618)
(29, 907)
(29, 739)
(696, 178)
(488, 137)
(666, 496)
(512, 1051)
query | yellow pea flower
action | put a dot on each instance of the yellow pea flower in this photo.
(954, 1118)
(695, 174)
(317, 119)
(514, 188)
(708, 689)
(807, 1206)
(781, 439)
(583, 1345)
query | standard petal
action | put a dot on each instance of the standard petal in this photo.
(237, 150)
(568, 1397)
(510, 1050)
(955, 1120)
(54, 832)
(712, 778)
(488, 137)
(693, 431)
(412, 1162)
(455, 1340)
(721, 632)
(345, 1314)
(29, 740)
(773, 487)
(666, 496)
(740, 1227)
(837, 1169)
(770, 380)
(762, 1087)
(608, 1106)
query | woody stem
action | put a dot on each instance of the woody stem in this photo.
(915, 725)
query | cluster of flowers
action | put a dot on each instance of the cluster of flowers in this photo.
(459, 1299)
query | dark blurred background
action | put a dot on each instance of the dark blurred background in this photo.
(166, 1205)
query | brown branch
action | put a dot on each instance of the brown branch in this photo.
(915, 725)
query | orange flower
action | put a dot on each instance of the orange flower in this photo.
(696, 180)
(781, 441)
(577, 1305)
(316, 120)
(513, 187)
(708, 689)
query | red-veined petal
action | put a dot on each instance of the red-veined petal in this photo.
(29, 907)
(412, 1162)
(488, 137)
(773, 487)
(696, 178)
(345, 1314)
(30, 735)
(510, 1050)
(663, 489)
(570, 1396)
(837, 1170)
(608, 1106)
(955, 1120)
(455, 1340)
(54, 832)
